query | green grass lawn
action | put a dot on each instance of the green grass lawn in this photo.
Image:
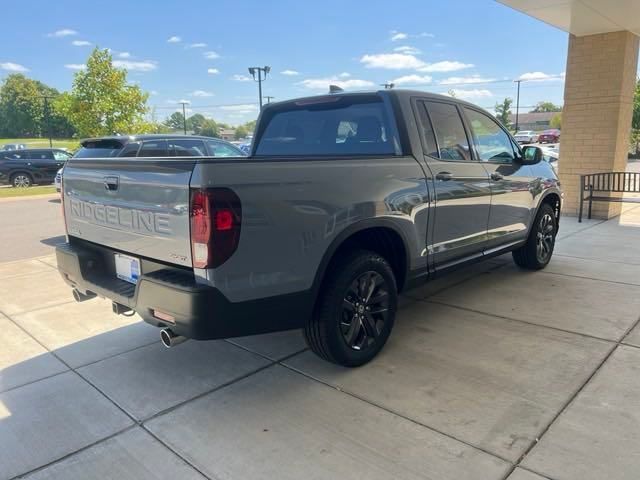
(26, 192)
(69, 143)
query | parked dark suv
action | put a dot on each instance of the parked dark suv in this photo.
(158, 145)
(23, 168)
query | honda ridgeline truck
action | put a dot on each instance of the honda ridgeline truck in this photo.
(345, 201)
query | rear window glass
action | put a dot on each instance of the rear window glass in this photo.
(99, 149)
(350, 125)
(187, 148)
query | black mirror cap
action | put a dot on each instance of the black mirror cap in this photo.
(527, 159)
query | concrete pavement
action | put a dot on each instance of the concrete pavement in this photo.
(490, 373)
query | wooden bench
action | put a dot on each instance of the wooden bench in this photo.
(610, 182)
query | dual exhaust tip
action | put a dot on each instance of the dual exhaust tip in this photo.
(167, 336)
(170, 339)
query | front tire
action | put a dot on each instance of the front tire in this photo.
(21, 180)
(355, 311)
(537, 252)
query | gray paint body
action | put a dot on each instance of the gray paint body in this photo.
(295, 210)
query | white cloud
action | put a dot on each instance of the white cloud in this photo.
(174, 39)
(211, 55)
(213, 71)
(445, 66)
(13, 67)
(242, 108)
(392, 61)
(65, 32)
(201, 93)
(412, 80)
(142, 66)
(470, 94)
(184, 101)
(395, 36)
(290, 73)
(408, 50)
(540, 77)
(344, 75)
(153, 92)
(323, 83)
(80, 43)
(466, 80)
(124, 55)
(241, 78)
(75, 66)
(197, 45)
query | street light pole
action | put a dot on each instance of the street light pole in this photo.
(46, 112)
(517, 103)
(184, 117)
(269, 98)
(257, 74)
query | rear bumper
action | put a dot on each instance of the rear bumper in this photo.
(201, 312)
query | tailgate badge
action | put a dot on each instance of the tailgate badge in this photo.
(111, 183)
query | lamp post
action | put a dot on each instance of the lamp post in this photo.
(387, 86)
(517, 103)
(184, 117)
(269, 98)
(48, 117)
(259, 74)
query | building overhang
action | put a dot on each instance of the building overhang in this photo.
(583, 17)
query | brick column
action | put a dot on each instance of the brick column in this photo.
(596, 118)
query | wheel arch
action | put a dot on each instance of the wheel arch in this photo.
(380, 235)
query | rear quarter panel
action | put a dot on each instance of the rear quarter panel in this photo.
(294, 210)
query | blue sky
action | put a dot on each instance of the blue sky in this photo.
(199, 50)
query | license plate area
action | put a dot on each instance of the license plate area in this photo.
(127, 268)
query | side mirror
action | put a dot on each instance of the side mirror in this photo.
(531, 155)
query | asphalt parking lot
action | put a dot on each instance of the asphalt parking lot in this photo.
(491, 373)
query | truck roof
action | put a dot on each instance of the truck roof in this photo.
(148, 136)
(396, 92)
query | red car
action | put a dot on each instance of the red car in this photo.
(549, 136)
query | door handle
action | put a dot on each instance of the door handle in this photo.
(496, 176)
(444, 176)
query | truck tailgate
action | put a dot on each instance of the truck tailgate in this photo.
(138, 206)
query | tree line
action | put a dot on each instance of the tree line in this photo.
(100, 102)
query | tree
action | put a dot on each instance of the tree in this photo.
(209, 128)
(635, 121)
(241, 132)
(101, 102)
(175, 121)
(556, 121)
(546, 107)
(194, 122)
(24, 110)
(503, 110)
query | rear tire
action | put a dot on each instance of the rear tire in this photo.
(537, 252)
(21, 180)
(355, 310)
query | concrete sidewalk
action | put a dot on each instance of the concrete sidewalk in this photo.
(490, 373)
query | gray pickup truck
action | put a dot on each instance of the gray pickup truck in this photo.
(345, 201)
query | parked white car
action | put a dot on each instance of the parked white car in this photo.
(58, 180)
(526, 136)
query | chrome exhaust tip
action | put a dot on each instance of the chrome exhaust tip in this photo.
(81, 297)
(170, 339)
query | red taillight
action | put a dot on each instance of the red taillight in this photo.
(216, 217)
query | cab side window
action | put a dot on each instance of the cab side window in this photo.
(491, 142)
(218, 149)
(154, 148)
(447, 125)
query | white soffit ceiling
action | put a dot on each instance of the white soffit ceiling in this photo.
(583, 17)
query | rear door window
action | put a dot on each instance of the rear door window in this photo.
(449, 130)
(41, 155)
(334, 125)
(187, 148)
(219, 149)
(154, 148)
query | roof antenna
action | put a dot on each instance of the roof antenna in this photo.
(335, 89)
